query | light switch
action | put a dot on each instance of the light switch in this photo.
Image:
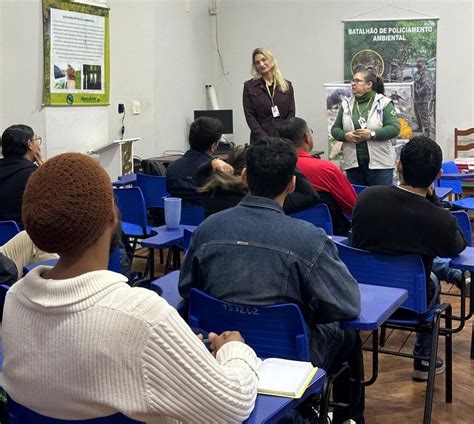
(136, 107)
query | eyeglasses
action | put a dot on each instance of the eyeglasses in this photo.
(356, 81)
(310, 130)
(39, 140)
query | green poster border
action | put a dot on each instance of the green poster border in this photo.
(74, 99)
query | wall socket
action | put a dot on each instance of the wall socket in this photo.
(121, 108)
(136, 107)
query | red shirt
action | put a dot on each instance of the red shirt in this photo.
(325, 176)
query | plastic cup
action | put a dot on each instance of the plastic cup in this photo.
(172, 212)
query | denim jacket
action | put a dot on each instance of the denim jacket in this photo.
(256, 255)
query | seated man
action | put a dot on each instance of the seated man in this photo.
(20, 149)
(333, 187)
(181, 182)
(80, 343)
(256, 255)
(403, 219)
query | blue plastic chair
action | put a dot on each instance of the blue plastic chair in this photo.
(153, 188)
(272, 331)
(8, 230)
(131, 204)
(18, 414)
(318, 215)
(187, 234)
(405, 272)
(464, 225)
(451, 168)
(358, 188)
(192, 214)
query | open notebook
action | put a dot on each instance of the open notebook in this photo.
(282, 377)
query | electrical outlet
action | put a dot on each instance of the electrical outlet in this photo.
(121, 108)
(136, 107)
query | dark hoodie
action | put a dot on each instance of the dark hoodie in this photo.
(14, 174)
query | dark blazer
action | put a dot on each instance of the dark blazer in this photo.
(257, 108)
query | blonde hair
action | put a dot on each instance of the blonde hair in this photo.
(223, 181)
(277, 76)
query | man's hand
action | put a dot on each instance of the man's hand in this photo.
(353, 137)
(219, 164)
(217, 341)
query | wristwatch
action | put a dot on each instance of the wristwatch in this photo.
(372, 135)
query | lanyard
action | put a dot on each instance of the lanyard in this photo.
(272, 94)
(366, 109)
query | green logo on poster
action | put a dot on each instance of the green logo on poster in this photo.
(70, 99)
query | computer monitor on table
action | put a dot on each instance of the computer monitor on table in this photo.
(223, 115)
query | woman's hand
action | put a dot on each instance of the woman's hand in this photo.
(353, 137)
(363, 133)
(38, 158)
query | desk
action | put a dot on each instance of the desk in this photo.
(443, 192)
(465, 262)
(270, 409)
(378, 303)
(167, 288)
(128, 179)
(164, 238)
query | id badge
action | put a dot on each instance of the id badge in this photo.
(275, 111)
(362, 123)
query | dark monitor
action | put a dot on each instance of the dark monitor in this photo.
(223, 115)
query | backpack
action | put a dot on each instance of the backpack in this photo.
(8, 270)
(153, 167)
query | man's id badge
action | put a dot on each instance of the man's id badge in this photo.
(362, 123)
(275, 111)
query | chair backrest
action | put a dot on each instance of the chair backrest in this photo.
(187, 234)
(464, 225)
(400, 271)
(8, 230)
(272, 331)
(318, 215)
(18, 414)
(450, 168)
(459, 145)
(358, 188)
(131, 204)
(153, 189)
(192, 214)
(114, 261)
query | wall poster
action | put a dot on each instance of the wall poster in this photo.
(76, 54)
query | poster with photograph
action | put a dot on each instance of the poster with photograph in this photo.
(402, 96)
(398, 51)
(76, 50)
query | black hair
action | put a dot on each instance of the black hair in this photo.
(293, 129)
(377, 82)
(421, 160)
(271, 163)
(204, 132)
(15, 140)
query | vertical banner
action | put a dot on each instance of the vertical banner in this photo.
(76, 54)
(399, 51)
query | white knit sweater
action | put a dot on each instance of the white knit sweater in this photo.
(92, 346)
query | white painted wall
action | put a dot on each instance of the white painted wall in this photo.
(163, 52)
(307, 38)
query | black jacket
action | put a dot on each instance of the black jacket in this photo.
(14, 174)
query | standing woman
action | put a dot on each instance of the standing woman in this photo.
(365, 124)
(267, 97)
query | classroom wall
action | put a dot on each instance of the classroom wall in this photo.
(163, 52)
(307, 38)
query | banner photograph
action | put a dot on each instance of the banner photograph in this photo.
(399, 51)
(76, 54)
